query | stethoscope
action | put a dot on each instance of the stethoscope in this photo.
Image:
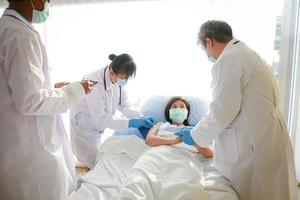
(236, 42)
(104, 82)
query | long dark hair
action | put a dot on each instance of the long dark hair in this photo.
(122, 64)
(169, 105)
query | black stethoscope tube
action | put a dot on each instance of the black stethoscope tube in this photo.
(104, 81)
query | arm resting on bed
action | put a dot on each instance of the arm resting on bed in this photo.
(153, 139)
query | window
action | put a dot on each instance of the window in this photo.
(291, 55)
(160, 35)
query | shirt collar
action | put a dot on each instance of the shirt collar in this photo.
(228, 46)
(15, 14)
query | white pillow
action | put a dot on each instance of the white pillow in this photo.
(155, 106)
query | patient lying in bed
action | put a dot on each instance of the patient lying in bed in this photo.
(128, 169)
(176, 113)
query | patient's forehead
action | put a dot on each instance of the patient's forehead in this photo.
(179, 103)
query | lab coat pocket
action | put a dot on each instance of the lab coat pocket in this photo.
(226, 146)
(48, 133)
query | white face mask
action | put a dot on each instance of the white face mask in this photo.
(121, 82)
(178, 115)
(39, 17)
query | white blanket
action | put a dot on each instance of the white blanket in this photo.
(128, 169)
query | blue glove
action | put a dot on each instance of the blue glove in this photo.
(140, 122)
(144, 131)
(183, 130)
(187, 128)
(151, 119)
(150, 122)
(185, 134)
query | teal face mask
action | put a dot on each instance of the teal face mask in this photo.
(121, 82)
(211, 59)
(39, 17)
(178, 115)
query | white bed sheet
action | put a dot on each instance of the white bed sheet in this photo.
(128, 169)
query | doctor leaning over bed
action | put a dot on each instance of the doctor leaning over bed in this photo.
(252, 147)
(96, 111)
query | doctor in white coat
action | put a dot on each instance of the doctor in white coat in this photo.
(251, 143)
(36, 157)
(97, 111)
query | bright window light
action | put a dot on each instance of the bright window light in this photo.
(160, 35)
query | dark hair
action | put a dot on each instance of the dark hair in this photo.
(122, 64)
(169, 105)
(215, 29)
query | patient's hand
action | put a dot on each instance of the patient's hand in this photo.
(176, 140)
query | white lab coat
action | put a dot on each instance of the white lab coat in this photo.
(36, 159)
(96, 112)
(252, 146)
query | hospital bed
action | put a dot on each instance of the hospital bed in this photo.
(129, 169)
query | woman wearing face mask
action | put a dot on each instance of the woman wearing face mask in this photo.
(176, 113)
(96, 112)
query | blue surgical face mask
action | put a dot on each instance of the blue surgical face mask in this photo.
(178, 115)
(39, 17)
(211, 59)
(121, 82)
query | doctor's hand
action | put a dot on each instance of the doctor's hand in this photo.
(87, 86)
(185, 134)
(60, 84)
(187, 128)
(144, 131)
(151, 119)
(140, 122)
(150, 122)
